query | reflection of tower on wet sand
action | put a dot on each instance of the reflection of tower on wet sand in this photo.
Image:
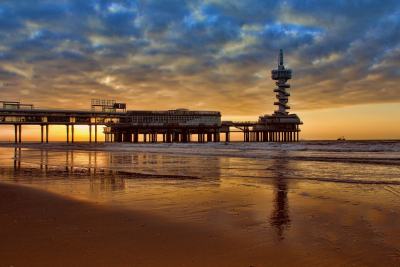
(280, 218)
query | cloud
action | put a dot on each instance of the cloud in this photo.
(163, 54)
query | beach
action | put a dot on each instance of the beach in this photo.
(303, 204)
(42, 229)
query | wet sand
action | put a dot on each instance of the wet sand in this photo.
(201, 205)
(42, 229)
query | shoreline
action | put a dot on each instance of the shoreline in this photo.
(312, 151)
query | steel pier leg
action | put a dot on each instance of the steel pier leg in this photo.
(72, 132)
(41, 133)
(20, 134)
(95, 133)
(67, 133)
(90, 133)
(47, 133)
(15, 133)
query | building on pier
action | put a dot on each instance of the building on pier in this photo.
(171, 126)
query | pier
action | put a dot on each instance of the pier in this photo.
(179, 125)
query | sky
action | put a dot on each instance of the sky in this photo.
(210, 55)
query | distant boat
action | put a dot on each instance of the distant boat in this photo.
(341, 138)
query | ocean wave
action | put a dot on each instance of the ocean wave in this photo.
(363, 152)
(326, 146)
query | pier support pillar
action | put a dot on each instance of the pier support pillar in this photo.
(41, 133)
(227, 137)
(176, 137)
(246, 135)
(95, 133)
(90, 133)
(209, 137)
(118, 137)
(127, 137)
(72, 133)
(67, 132)
(20, 133)
(15, 133)
(47, 133)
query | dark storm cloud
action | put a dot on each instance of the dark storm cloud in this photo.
(211, 54)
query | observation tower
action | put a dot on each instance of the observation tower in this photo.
(281, 75)
(281, 126)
